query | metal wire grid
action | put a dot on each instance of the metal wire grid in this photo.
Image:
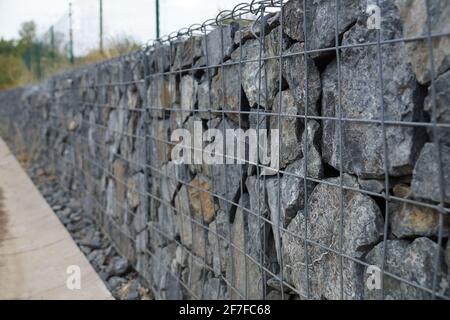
(148, 110)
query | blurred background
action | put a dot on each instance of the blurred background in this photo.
(42, 37)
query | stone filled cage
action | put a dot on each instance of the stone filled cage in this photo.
(359, 208)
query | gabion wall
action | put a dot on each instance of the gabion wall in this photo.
(359, 208)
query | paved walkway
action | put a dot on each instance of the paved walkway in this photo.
(35, 248)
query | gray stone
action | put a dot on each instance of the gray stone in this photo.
(372, 185)
(115, 282)
(411, 261)
(257, 119)
(290, 127)
(132, 290)
(275, 284)
(127, 144)
(226, 184)
(196, 278)
(362, 226)
(294, 70)
(119, 171)
(167, 226)
(442, 90)
(259, 78)
(244, 275)
(414, 18)
(226, 179)
(320, 21)
(138, 69)
(113, 128)
(140, 145)
(218, 44)
(226, 91)
(133, 98)
(187, 52)
(141, 216)
(116, 125)
(215, 289)
(91, 243)
(256, 188)
(259, 81)
(142, 242)
(190, 216)
(161, 271)
(447, 256)
(136, 188)
(172, 175)
(192, 125)
(276, 295)
(181, 256)
(173, 289)
(160, 148)
(200, 199)
(291, 191)
(273, 44)
(160, 59)
(188, 93)
(408, 220)
(218, 238)
(311, 149)
(249, 30)
(425, 183)
(96, 257)
(205, 100)
(111, 202)
(293, 18)
(292, 186)
(359, 82)
(183, 214)
(159, 96)
(118, 266)
(93, 135)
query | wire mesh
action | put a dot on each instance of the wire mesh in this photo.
(110, 125)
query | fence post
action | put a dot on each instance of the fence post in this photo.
(37, 57)
(157, 19)
(70, 34)
(101, 26)
(52, 46)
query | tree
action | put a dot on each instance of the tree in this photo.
(14, 53)
(27, 31)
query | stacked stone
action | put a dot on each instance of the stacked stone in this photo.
(229, 231)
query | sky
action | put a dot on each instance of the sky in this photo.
(135, 18)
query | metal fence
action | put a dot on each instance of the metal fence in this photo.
(358, 121)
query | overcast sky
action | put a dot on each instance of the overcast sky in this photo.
(134, 18)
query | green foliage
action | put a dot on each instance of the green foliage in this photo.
(27, 32)
(28, 60)
(14, 56)
(12, 71)
(116, 47)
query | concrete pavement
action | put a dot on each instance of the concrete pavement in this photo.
(35, 248)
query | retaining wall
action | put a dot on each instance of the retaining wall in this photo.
(364, 155)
